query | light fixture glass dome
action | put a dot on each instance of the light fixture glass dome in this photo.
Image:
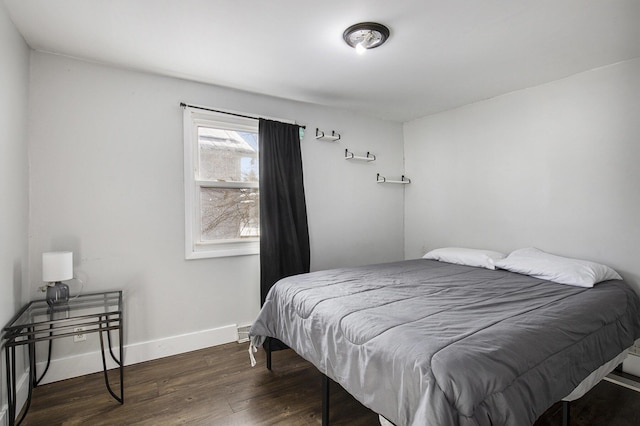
(365, 35)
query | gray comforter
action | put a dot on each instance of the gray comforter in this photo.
(429, 343)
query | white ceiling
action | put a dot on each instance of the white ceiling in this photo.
(441, 53)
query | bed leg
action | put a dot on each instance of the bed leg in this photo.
(566, 413)
(267, 349)
(325, 400)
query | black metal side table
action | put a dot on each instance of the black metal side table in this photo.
(38, 322)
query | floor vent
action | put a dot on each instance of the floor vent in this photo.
(243, 333)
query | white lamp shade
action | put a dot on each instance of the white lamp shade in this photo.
(57, 266)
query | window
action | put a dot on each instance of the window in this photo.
(222, 197)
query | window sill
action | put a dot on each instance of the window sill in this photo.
(204, 251)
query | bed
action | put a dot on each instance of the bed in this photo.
(425, 342)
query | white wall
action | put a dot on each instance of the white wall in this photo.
(14, 204)
(106, 182)
(554, 166)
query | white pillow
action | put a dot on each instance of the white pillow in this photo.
(466, 256)
(563, 270)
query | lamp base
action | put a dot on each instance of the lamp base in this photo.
(57, 294)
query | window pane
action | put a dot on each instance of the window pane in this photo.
(227, 155)
(230, 213)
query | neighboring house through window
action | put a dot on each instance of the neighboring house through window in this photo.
(222, 197)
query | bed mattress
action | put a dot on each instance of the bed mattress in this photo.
(428, 343)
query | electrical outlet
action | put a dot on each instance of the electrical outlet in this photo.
(79, 336)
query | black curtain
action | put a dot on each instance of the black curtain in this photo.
(284, 232)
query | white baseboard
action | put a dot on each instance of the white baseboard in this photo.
(91, 362)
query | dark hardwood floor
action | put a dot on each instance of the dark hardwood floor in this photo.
(217, 386)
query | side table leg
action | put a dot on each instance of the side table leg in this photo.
(120, 398)
(10, 359)
(33, 375)
(121, 360)
(46, 368)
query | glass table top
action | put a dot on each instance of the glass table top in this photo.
(39, 313)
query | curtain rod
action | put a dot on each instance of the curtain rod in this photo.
(183, 105)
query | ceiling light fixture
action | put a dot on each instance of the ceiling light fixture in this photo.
(365, 35)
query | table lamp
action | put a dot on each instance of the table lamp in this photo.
(56, 267)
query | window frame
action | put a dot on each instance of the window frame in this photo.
(195, 247)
